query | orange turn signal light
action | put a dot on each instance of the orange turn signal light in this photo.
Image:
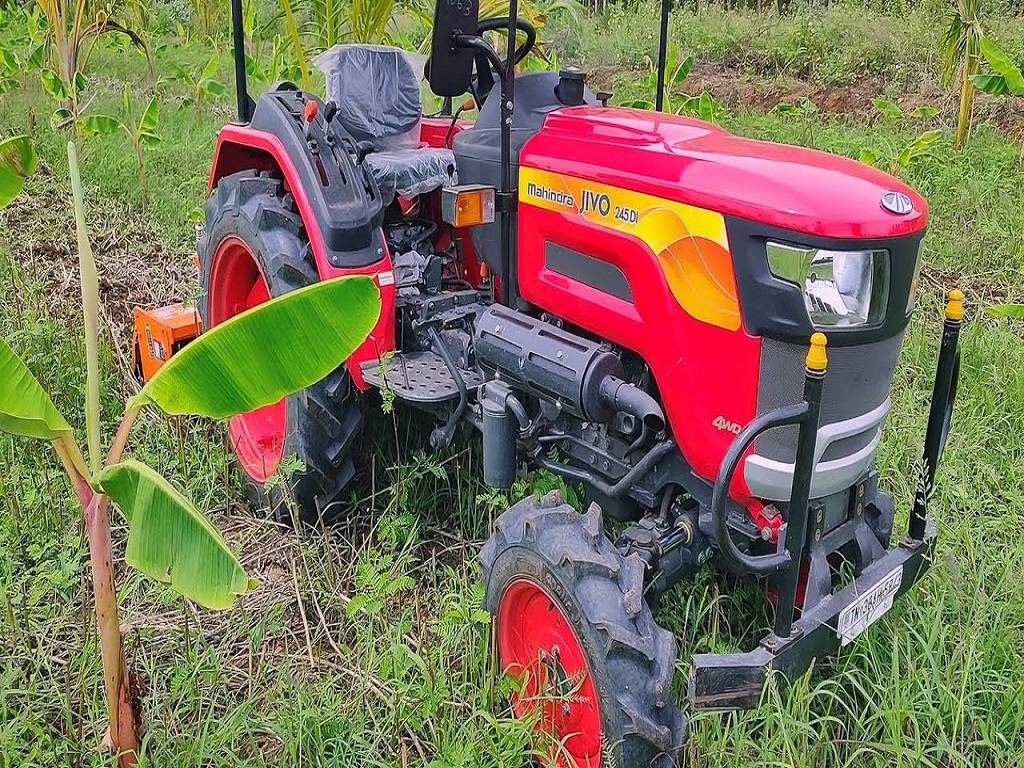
(467, 205)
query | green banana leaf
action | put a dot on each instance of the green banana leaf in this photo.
(17, 163)
(1004, 66)
(268, 352)
(25, 408)
(170, 540)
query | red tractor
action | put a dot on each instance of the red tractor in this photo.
(633, 301)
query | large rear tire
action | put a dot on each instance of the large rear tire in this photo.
(254, 248)
(571, 622)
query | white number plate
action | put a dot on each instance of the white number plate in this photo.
(869, 607)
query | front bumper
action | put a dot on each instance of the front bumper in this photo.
(736, 680)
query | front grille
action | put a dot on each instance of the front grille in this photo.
(858, 380)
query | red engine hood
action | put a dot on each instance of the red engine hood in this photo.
(703, 165)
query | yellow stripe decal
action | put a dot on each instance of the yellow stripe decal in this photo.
(690, 242)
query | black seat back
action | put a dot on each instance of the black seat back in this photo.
(377, 92)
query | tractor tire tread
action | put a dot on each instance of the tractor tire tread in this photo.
(630, 655)
(323, 420)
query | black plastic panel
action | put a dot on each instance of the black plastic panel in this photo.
(344, 197)
(775, 308)
(599, 274)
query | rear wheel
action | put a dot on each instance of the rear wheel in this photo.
(572, 626)
(255, 248)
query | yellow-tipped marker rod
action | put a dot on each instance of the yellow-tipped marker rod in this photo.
(955, 305)
(803, 474)
(947, 373)
(817, 359)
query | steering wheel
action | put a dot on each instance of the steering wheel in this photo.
(486, 76)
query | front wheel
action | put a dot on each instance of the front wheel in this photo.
(573, 628)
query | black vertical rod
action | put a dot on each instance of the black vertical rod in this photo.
(241, 88)
(803, 471)
(947, 372)
(509, 289)
(659, 99)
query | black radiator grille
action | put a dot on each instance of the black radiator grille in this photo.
(858, 381)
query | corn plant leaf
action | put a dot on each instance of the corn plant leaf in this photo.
(25, 408)
(17, 162)
(291, 28)
(1002, 65)
(170, 540)
(268, 352)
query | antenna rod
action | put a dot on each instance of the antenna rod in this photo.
(659, 99)
(241, 89)
(509, 288)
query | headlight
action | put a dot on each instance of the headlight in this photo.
(841, 288)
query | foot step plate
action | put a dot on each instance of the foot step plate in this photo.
(421, 377)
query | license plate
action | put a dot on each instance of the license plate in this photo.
(869, 607)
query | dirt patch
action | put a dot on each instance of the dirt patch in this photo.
(135, 266)
(740, 90)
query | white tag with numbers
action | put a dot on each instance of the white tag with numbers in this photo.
(869, 607)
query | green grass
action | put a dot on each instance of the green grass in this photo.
(365, 645)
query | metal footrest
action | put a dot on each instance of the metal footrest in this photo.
(420, 377)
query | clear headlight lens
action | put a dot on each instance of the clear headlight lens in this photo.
(841, 288)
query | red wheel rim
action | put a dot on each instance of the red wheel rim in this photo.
(538, 645)
(237, 284)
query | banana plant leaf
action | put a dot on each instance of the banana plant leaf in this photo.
(17, 163)
(1012, 76)
(268, 352)
(170, 540)
(25, 408)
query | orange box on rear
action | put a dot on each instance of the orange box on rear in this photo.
(160, 333)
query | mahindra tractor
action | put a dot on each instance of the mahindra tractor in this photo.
(634, 301)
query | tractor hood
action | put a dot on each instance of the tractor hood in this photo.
(694, 162)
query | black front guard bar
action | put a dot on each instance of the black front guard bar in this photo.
(736, 680)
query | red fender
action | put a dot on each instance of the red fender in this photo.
(241, 148)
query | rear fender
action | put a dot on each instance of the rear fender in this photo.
(241, 148)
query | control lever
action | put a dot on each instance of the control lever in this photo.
(363, 148)
(330, 110)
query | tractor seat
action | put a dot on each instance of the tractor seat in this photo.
(377, 92)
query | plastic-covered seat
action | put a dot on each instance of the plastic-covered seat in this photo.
(377, 92)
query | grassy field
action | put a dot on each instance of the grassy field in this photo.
(365, 645)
